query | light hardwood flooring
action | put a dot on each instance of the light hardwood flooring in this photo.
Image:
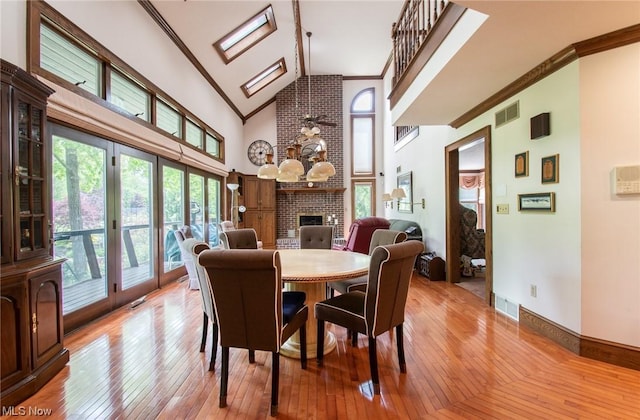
(464, 361)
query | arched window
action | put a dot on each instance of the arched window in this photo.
(363, 154)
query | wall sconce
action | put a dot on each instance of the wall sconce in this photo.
(421, 202)
(386, 197)
(397, 193)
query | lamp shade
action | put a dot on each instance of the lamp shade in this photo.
(233, 187)
(314, 176)
(324, 168)
(398, 193)
(387, 197)
(287, 177)
(292, 166)
(268, 171)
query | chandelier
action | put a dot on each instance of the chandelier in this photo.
(309, 145)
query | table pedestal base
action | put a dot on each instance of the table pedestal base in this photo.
(315, 293)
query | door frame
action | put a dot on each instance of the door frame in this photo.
(452, 174)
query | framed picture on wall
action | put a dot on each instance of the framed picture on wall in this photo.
(522, 164)
(405, 183)
(537, 202)
(551, 169)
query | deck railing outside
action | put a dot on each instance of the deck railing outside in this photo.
(416, 21)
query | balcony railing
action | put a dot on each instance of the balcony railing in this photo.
(410, 32)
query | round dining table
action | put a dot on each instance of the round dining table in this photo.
(309, 270)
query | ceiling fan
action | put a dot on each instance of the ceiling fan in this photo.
(309, 120)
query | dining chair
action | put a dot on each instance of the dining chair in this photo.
(316, 237)
(380, 308)
(239, 239)
(248, 239)
(227, 225)
(194, 248)
(247, 295)
(379, 237)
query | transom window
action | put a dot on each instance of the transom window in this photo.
(64, 54)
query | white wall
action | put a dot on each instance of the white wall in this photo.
(260, 126)
(13, 39)
(610, 106)
(584, 257)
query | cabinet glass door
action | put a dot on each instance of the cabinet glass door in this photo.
(32, 229)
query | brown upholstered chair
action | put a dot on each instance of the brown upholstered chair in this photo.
(227, 225)
(246, 286)
(379, 237)
(316, 237)
(380, 308)
(194, 248)
(239, 239)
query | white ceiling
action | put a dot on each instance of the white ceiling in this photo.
(353, 38)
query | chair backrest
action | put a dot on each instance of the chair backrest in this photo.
(390, 273)
(239, 239)
(194, 247)
(183, 233)
(386, 237)
(316, 237)
(471, 239)
(360, 233)
(226, 225)
(247, 295)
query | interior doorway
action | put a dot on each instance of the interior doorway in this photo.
(453, 153)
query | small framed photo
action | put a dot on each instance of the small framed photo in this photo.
(537, 202)
(551, 169)
(522, 164)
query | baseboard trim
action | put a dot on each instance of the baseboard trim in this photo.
(592, 348)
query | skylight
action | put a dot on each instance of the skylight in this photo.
(264, 78)
(246, 35)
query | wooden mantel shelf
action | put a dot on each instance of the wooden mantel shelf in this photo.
(308, 190)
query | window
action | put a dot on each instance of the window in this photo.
(363, 196)
(130, 96)
(66, 60)
(262, 80)
(246, 35)
(61, 52)
(168, 119)
(362, 134)
(194, 134)
(212, 145)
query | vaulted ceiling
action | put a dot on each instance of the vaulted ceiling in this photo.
(353, 38)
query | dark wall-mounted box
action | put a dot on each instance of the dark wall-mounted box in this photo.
(540, 126)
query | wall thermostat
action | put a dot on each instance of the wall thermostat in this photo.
(627, 180)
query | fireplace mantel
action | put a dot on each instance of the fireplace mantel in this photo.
(308, 190)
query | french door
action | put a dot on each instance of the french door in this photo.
(104, 222)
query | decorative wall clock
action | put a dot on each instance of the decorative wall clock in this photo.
(257, 152)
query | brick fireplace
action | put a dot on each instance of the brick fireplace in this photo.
(322, 198)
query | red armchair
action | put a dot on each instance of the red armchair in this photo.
(361, 231)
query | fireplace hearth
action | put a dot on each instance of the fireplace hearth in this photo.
(310, 219)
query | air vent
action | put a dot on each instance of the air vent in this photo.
(508, 114)
(507, 308)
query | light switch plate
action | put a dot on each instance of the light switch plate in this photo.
(502, 209)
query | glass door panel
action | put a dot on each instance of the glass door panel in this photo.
(79, 220)
(136, 220)
(213, 209)
(196, 205)
(173, 190)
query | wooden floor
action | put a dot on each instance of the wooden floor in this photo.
(464, 362)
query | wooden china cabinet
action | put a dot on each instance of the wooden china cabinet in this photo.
(31, 337)
(258, 196)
